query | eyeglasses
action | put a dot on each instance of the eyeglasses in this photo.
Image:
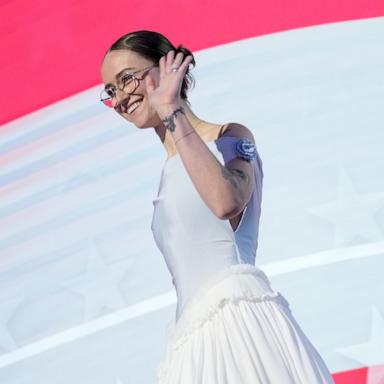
(127, 83)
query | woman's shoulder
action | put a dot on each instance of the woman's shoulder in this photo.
(236, 130)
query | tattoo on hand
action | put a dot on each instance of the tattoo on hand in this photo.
(169, 120)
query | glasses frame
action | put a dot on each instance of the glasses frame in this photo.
(122, 86)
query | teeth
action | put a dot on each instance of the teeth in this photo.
(133, 106)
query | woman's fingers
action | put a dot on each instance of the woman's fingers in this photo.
(186, 62)
(168, 88)
(178, 60)
(169, 60)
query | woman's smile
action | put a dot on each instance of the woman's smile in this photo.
(133, 106)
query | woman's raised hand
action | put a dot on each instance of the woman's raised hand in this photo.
(167, 91)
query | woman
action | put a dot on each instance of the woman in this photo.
(231, 327)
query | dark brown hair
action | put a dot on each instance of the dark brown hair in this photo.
(152, 46)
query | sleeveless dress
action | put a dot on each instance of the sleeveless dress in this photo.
(230, 326)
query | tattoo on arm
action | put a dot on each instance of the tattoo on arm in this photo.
(169, 120)
(230, 175)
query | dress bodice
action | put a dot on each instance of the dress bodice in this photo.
(195, 243)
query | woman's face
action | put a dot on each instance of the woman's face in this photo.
(143, 116)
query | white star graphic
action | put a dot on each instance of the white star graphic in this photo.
(371, 353)
(99, 284)
(7, 310)
(352, 213)
(118, 380)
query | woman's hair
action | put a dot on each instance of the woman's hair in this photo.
(152, 46)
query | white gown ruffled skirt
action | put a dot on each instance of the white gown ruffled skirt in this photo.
(238, 330)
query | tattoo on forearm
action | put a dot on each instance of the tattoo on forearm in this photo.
(169, 120)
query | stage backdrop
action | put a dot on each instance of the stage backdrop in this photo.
(85, 294)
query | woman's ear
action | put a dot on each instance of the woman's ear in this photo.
(150, 82)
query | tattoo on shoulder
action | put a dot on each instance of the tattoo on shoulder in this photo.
(169, 120)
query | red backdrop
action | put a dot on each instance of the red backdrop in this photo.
(52, 50)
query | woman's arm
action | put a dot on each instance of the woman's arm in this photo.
(225, 189)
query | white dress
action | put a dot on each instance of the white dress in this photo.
(230, 326)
